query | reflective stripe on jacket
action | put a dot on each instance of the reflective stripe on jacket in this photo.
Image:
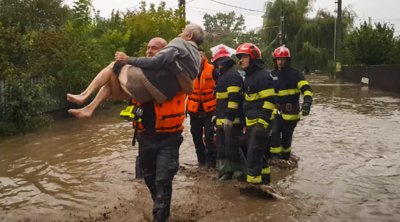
(259, 97)
(229, 96)
(289, 84)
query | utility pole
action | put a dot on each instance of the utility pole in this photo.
(334, 43)
(339, 31)
(282, 18)
(182, 5)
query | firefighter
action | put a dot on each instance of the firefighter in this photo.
(289, 83)
(159, 134)
(231, 163)
(200, 106)
(159, 127)
(259, 103)
(153, 47)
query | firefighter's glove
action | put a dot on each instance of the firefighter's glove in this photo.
(227, 124)
(261, 130)
(305, 108)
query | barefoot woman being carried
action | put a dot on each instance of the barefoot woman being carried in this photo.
(157, 78)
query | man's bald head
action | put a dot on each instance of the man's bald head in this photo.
(155, 45)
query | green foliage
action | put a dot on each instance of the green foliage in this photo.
(23, 106)
(81, 12)
(12, 49)
(32, 14)
(223, 22)
(371, 45)
(144, 24)
(65, 47)
(310, 40)
(286, 16)
(225, 28)
(293, 15)
(313, 57)
(395, 53)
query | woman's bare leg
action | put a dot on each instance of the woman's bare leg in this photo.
(110, 89)
(101, 79)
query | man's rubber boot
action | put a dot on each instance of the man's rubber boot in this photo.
(285, 155)
(266, 179)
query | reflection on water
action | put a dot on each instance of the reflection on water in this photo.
(70, 166)
(350, 152)
(349, 168)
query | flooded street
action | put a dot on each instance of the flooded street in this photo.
(83, 170)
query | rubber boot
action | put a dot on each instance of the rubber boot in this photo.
(240, 169)
(266, 179)
(285, 155)
(224, 169)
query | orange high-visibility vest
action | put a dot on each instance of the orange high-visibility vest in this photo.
(169, 115)
(203, 92)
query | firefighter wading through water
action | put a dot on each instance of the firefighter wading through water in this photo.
(289, 83)
(200, 106)
(159, 136)
(231, 163)
(259, 103)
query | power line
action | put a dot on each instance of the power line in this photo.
(207, 10)
(238, 7)
(390, 19)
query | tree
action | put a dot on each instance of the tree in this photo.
(32, 14)
(64, 48)
(282, 21)
(144, 24)
(285, 15)
(371, 45)
(313, 57)
(298, 31)
(225, 28)
(395, 53)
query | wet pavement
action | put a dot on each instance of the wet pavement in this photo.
(349, 169)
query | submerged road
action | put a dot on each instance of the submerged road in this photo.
(83, 170)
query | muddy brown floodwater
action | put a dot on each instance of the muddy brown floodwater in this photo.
(84, 170)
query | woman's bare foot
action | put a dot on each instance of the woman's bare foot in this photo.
(78, 99)
(81, 113)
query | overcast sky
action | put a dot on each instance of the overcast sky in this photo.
(379, 11)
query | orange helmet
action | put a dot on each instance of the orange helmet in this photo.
(249, 49)
(281, 52)
(221, 52)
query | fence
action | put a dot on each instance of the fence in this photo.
(56, 102)
(386, 77)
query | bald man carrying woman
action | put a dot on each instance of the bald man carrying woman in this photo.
(158, 78)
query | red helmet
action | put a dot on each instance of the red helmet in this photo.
(250, 49)
(221, 52)
(281, 52)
